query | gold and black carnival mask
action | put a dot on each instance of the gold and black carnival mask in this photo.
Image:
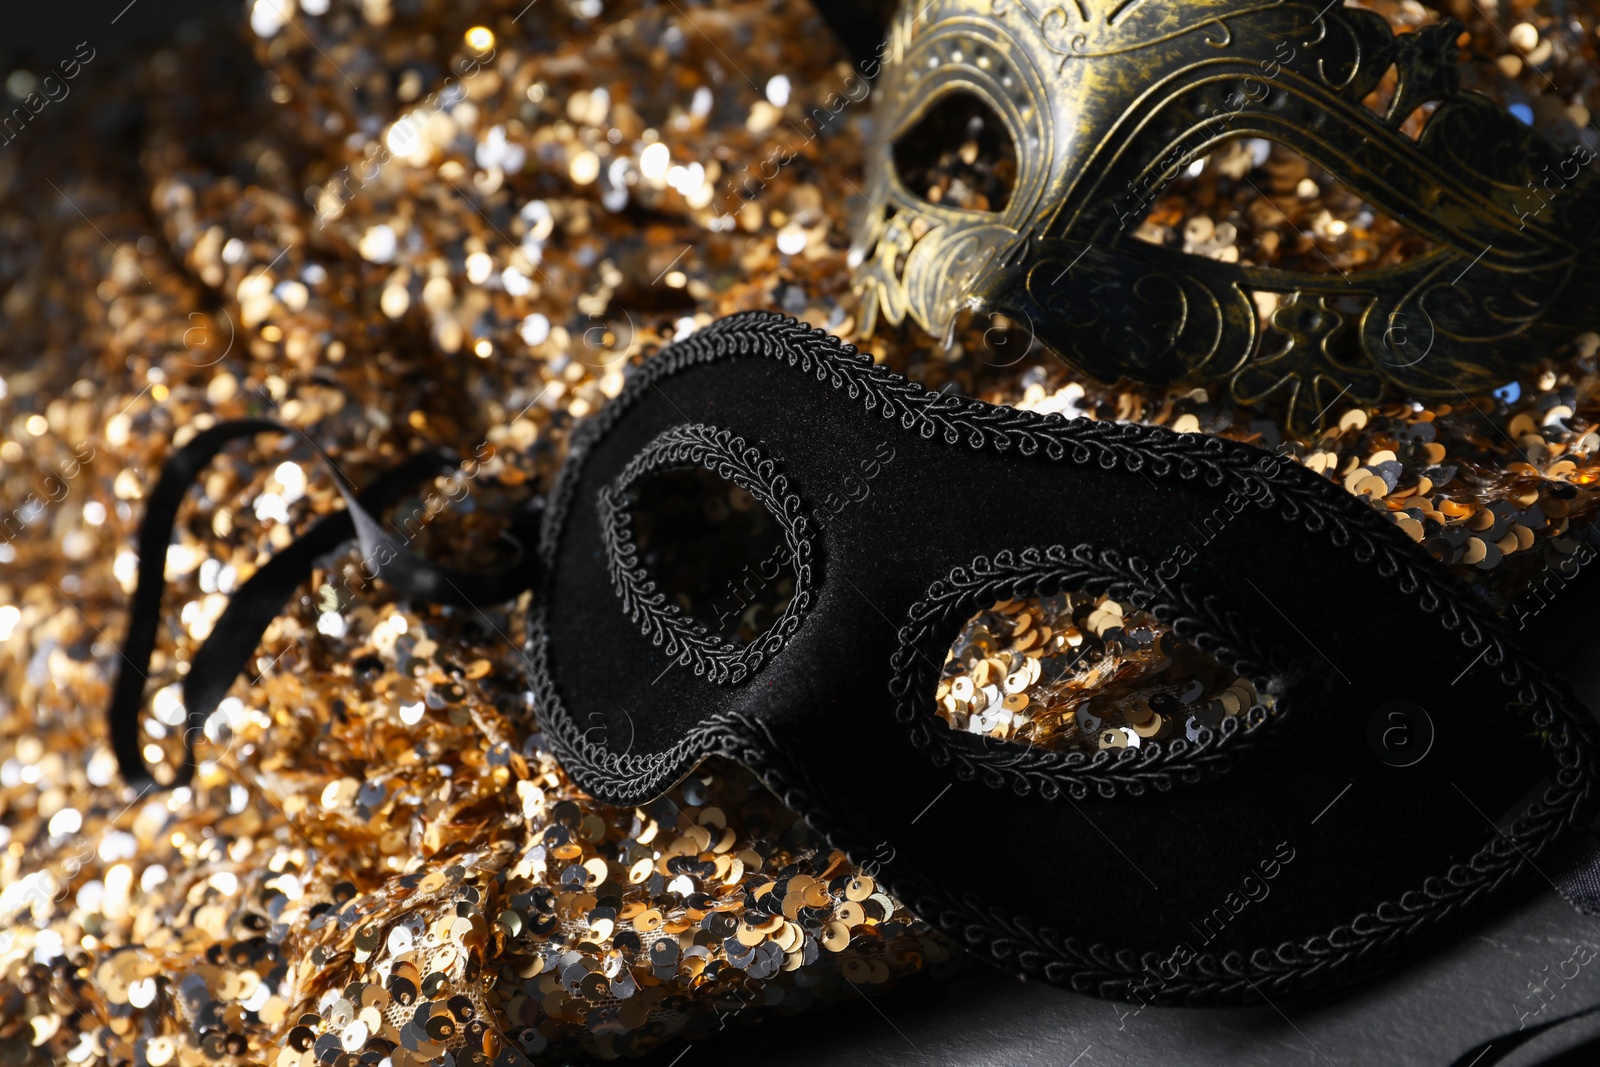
(1105, 103)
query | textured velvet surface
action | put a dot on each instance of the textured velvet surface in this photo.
(1060, 886)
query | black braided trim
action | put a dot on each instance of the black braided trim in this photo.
(1345, 954)
(687, 640)
(1025, 771)
(1290, 969)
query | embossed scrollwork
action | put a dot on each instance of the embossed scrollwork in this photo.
(1107, 102)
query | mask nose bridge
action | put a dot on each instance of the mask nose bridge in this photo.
(980, 503)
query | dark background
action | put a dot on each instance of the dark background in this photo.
(43, 32)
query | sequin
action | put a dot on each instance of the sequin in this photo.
(397, 836)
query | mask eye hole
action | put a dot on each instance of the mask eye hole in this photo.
(959, 155)
(1260, 203)
(1080, 672)
(714, 550)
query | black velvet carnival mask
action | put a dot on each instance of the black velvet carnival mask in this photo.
(1276, 852)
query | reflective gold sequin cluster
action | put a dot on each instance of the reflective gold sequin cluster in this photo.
(457, 224)
(1073, 671)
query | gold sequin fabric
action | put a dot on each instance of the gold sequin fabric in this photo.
(1072, 671)
(397, 225)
